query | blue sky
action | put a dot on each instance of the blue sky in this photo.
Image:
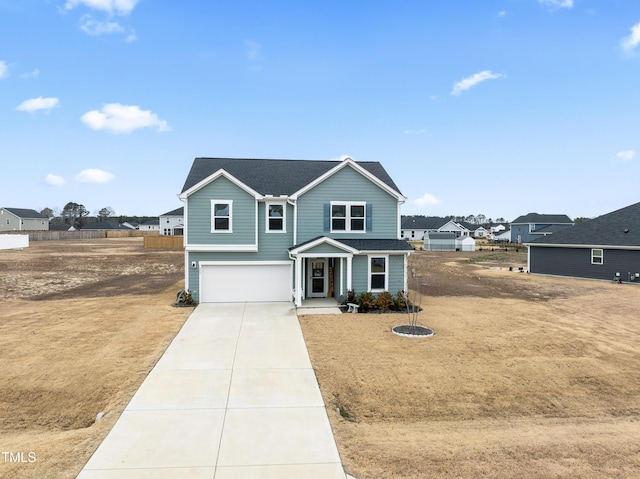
(494, 107)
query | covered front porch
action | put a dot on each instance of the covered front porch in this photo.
(323, 269)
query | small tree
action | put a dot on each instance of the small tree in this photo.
(74, 214)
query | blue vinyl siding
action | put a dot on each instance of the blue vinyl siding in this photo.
(395, 270)
(243, 214)
(347, 185)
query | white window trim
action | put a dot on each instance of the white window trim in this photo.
(347, 225)
(213, 223)
(284, 217)
(386, 272)
(601, 256)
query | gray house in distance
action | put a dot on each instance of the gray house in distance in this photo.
(533, 225)
(22, 219)
(602, 248)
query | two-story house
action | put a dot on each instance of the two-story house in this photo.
(528, 227)
(172, 222)
(22, 219)
(282, 230)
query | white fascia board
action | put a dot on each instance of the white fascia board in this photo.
(222, 248)
(215, 176)
(585, 246)
(324, 240)
(385, 252)
(349, 162)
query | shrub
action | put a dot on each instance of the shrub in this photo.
(384, 301)
(366, 301)
(401, 301)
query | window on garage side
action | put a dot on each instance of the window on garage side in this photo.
(378, 277)
(221, 211)
(275, 217)
(597, 256)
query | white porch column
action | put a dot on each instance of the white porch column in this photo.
(298, 281)
(349, 261)
(342, 291)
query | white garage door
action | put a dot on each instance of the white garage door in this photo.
(234, 283)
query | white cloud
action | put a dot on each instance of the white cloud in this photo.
(502, 13)
(554, 4)
(633, 40)
(35, 104)
(626, 155)
(112, 7)
(119, 118)
(426, 200)
(473, 80)
(95, 28)
(4, 70)
(35, 73)
(93, 175)
(54, 180)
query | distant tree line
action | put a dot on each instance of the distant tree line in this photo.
(480, 220)
(77, 215)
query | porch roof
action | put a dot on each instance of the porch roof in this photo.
(356, 245)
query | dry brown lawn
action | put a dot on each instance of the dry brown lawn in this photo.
(81, 325)
(526, 376)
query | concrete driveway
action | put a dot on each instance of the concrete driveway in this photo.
(234, 396)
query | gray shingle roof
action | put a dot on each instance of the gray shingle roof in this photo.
(176, 212)
(366, 244)
(377, 244)
(440, 236)
(275, 177)
(422, 222)
(618, 228)
(538, 218)
(26, 213)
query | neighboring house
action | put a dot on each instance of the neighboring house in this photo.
(458, 229)
(502, 236)
(600, 248)
(277, 230)
(21, 219)
(414, 227)
(498, 228)
(479, 232)
(104, 226)
(150, 225)
(533, 225)
(172, 223)
(436, 241)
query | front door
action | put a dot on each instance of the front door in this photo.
(317, 278)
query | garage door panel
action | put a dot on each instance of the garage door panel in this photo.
(245, 282)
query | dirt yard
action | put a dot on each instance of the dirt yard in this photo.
(526, 376)
(82, 324)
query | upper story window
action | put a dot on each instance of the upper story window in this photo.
(221, 216)
(348, 216)
(276, 217)
(597, 256)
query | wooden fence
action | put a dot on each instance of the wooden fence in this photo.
(83, 234)
(163, 242)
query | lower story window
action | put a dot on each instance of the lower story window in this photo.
(597, 256)
(378, 273)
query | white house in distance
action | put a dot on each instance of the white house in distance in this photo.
(172, 222)
(151, 225)
(21, 219)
